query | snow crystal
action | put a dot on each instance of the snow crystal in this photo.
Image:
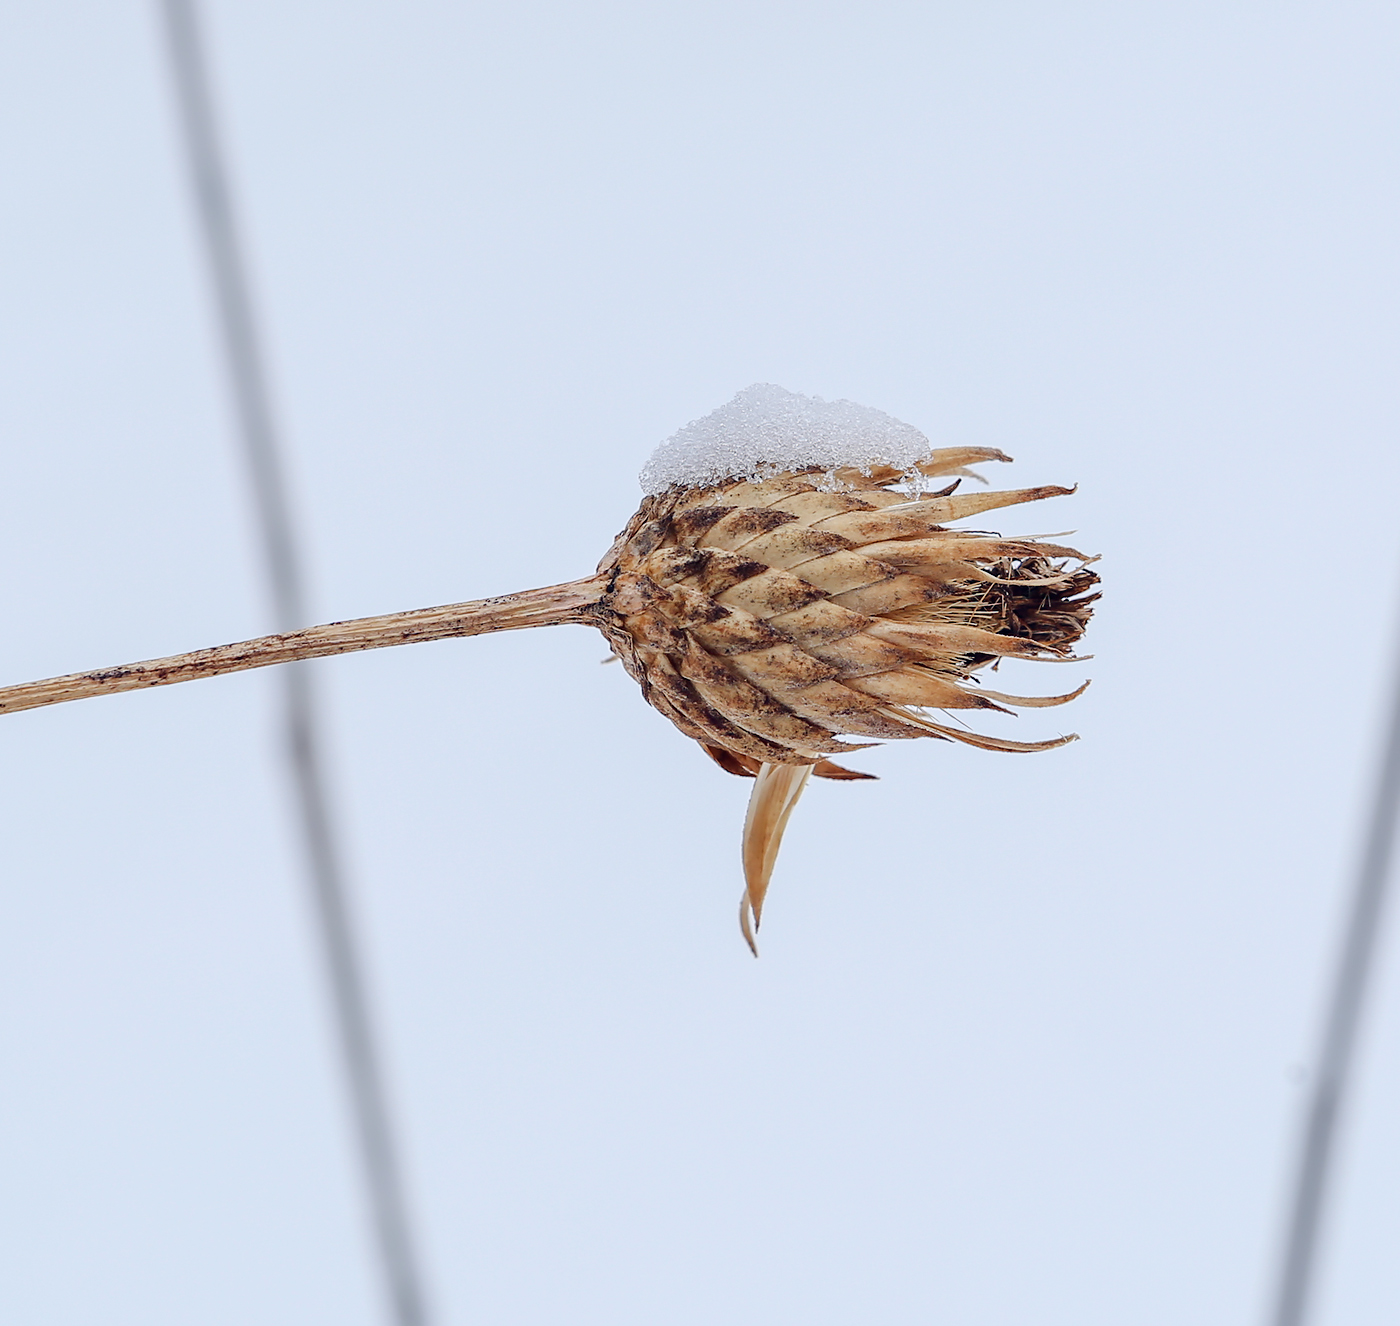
(766, 430)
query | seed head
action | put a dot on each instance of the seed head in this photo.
(770, 617)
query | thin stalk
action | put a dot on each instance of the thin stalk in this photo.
(259, 433)
(1352, 985)
(552, 606)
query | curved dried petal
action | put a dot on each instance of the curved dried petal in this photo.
(1036, 701)
(775, 793)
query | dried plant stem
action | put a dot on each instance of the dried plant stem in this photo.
(551, 606)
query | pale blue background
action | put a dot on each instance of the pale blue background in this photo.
(1027, 1041)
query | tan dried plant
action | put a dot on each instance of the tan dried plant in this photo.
(767, 617)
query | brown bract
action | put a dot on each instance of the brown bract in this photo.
(771, 619)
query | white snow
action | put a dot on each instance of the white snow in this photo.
(766, 430)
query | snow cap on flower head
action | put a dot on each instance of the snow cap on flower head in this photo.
(766, 429)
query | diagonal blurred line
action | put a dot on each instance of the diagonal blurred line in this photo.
(248, 382)
(1351, 988)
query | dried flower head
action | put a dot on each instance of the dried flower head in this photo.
(788, 582)
(770, 618)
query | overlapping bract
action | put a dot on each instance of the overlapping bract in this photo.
(770, 618)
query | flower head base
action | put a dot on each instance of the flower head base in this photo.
(770, 618)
